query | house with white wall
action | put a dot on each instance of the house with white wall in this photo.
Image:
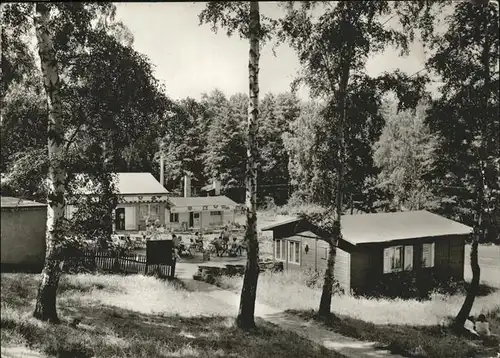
(200, 212)
(143, 199)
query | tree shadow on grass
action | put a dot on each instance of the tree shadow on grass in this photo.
(104, 331)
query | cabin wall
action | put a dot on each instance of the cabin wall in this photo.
(342, 268)
(366, 265)
(367, 261)
(316, 258)
(309, 259)
(457, 257)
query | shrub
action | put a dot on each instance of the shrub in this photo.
(413, 284)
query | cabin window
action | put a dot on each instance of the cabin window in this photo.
(279, 250)
(215, 213)
(428, 255)
(294, 252)
(398, 258)
(174, 217)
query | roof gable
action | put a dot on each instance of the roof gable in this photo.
(131, 184)
(385, 227)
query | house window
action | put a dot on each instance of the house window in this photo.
(428, 255)
(174, 217)
(149, 211)
(143, 210)
(215, 213)
(294, 252)
(279, 250)
(398, 258)
(154, 210)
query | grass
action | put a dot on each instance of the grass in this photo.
(137, 316)
(407, 327)
(288, 290)
(415, 341)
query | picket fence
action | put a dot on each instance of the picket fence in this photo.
(114, 262)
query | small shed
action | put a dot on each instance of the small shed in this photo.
(374, 245)
(22, 234)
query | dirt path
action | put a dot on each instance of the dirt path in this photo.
(347, 346)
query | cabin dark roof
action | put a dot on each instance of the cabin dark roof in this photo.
(201, 201)
(384, 227)
(11, 202)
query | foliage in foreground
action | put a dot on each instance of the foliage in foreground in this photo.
(119, 320)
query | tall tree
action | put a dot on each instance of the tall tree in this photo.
(225, 154)
(276, 114)
(74, 45)
(245, 18)
(185, 143)
(406, 153)
(333, 49)
(45, 308)
(466, 58)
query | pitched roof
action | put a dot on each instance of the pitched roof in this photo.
(201, 200)
(139, 183)
(134, 183)
(11, 202)
(384, 227)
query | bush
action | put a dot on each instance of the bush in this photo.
(412, 284)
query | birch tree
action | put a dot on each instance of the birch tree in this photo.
(466, 58)
(245, 18)
(45, 308)
(333, 48)
(63, 32)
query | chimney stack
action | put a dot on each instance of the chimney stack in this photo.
(187, 186)
(216, 186)
(162, 170)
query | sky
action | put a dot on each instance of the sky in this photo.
(191, 60)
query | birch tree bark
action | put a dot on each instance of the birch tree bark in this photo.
(45, 308)
(325, 303)
(481, 188)
(246, 311)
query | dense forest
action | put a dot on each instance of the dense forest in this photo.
(404, 149)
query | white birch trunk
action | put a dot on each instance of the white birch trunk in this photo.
(246, 311)
(46, 299)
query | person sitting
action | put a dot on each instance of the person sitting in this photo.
(235, 248)
(482, 327)
(218, 246)
(225, 235)
(199, 242)
(175, 241)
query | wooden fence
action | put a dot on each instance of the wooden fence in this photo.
(114, 262)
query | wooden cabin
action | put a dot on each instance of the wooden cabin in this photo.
(374, 245)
